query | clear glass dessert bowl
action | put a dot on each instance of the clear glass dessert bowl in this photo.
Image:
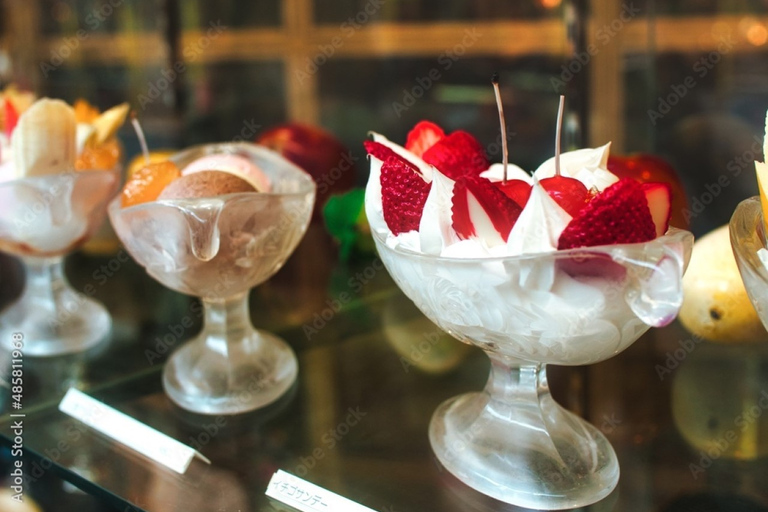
(42, 219)
(512, 441)
(748, 241)
(218, 249)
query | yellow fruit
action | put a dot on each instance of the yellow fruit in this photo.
(715, 304)
(109, 122)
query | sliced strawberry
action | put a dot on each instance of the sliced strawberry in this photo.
(11, 117)
(659, 197)
(403, 194)
(380, 151)
(618, 215)
(496, 216)
(517, 190)
(423, 136)
(458, 154)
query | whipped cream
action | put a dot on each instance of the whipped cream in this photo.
(435, 230)
(539, 226)
(495, 173)
(589, 166)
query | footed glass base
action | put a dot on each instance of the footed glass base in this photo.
(230, 367)
(514, 443)
(53, 318)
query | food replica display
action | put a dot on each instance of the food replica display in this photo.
(567, 266)
(213, 221)
(58, 170)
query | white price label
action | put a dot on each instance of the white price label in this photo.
(128, 431)
(308, 497)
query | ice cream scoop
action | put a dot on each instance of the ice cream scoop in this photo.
(205, 184)
(231, 164)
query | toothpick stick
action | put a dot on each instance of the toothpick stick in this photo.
(505, 156)
(557, 134)
(142, 139)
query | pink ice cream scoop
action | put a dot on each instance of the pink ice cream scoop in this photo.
(232, 164)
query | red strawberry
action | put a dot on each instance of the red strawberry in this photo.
(618, 215)
(11, 117)
(380, 151)
(403, 194)
(458, 154)
(500, 212)
(423, 136)
(659, 196)
(517, 190)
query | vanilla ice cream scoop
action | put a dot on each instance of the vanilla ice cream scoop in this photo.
(232, 164)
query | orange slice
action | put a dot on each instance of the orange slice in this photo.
(147, 183)
(102, 157)
(84, 111)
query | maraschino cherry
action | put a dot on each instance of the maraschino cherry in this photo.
(569, 193)
(517, 190)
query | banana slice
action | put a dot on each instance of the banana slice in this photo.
(44, 139)
(107, 124)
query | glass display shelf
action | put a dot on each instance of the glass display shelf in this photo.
(685, 416)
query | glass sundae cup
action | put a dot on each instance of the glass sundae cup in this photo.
(512, 441)
(217, 249)
(42, 219)
(747, 229)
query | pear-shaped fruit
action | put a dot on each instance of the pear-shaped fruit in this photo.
(715, 303)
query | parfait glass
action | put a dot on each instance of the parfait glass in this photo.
(42, 219)
(512, 441)
(748, 241)
(218, 249)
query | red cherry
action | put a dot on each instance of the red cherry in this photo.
(517, 190)
(569, 193)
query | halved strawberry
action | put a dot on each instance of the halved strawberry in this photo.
(517, 190)
(494, 218)
(380, 151)
(618, 215)
(422, 137)
(659, 196)
(11, 117)
(458, 154)
(403, 194)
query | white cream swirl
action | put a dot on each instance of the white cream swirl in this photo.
(589, 166)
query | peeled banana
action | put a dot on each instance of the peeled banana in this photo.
(44, 139)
